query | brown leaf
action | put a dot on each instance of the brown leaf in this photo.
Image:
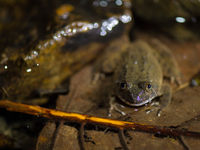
(86, 98)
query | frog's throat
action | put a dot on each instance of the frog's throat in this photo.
(134, 104)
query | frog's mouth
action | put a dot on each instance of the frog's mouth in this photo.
(138, 99)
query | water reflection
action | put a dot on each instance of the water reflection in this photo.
(180, 19)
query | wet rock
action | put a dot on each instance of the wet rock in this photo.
(45, 42)
(165, 11)
(177, 19)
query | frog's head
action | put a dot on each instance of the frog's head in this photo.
(136, 94)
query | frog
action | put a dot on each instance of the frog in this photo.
(139, 73)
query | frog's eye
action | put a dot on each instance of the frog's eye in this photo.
(149, 86)
(145, 85)
(123, 85)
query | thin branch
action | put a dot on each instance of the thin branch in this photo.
(81, 136)
(122, 139)
(74, 117)
(182, 143)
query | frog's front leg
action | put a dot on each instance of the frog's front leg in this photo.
(113, 105)
(165, 98)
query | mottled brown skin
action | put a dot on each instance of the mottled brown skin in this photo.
(139, 76)
(139, 72)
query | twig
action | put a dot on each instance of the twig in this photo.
(182, 143)
(74, 117)
(81, 136)
(122, 139)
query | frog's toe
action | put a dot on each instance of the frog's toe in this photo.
(172, 80)
(176, 80)
(159, 111)
(155, 106)
(114, 106)
(96, 77)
